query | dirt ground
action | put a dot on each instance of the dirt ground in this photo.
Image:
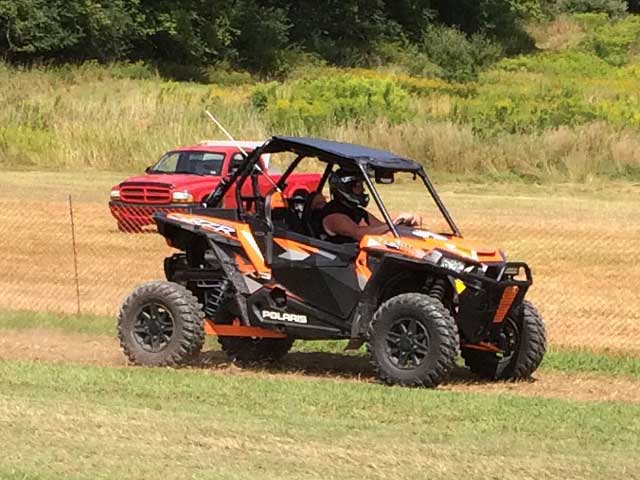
(581, 248)
(583, 281)
(51, 346)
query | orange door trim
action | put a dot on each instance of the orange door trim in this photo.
(238, 330)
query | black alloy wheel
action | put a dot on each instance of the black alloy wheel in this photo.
(154, 327)
(408, 343)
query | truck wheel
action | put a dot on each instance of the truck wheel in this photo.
(161, 324)
(247, 349)
(527, 343)
(413, 341)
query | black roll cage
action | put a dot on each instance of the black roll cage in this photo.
(248, 168)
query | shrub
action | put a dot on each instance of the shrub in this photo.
(341, 99)
(571, 63)
(405, 57)
(613, 8)
(614, 41)
(135, 70)
(519, 112)
(223, 74)
(459, 57)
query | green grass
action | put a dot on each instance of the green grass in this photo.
(88, 422)
(85, 324)
(562, 360)
(584, 361)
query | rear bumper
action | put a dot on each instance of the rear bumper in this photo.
(134, 216)
(485, 302)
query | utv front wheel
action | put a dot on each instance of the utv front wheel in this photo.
(413, 341)
(526, 342)
(161, 324)
(247, 349)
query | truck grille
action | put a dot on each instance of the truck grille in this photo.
(145, 194)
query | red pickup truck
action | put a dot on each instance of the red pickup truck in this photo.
(185, 176)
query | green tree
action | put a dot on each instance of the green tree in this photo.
(71, 29)
(38, 27)
(341, 31)
(263, 36)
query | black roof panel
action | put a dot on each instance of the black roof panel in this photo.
(342, 153)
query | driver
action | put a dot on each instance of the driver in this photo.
(344, 218)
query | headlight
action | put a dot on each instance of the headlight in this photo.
(512, 271)
(452, 264)
(182, 197)
(115, 194)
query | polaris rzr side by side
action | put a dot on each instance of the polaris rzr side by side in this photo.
(259, 277)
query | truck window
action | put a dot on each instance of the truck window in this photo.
(199, 163)
(167, 163)
(205, 163)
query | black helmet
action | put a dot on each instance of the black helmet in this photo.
(341, 186)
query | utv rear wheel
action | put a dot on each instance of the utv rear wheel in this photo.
(413, 341)
(161, 324)
(248, 349)
(526, 342)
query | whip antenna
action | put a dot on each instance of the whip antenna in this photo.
(239, 147)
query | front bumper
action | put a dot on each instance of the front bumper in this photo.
(134, 216)
(488, 299)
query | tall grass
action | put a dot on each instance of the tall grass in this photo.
(566, 114)
(54, 120)
(565, 153)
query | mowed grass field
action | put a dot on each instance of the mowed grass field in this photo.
(70, 407)
(86, 422)
(580, 240)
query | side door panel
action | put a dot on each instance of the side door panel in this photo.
(323, 276)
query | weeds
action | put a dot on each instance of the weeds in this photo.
(570, 112)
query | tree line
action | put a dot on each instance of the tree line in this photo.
(269, 36)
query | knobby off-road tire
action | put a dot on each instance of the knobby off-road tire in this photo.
(161, 324)
(247, 350)
(526, 333)
(413, 341)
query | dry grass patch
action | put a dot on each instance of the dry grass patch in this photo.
(562, 33)
(580, 245)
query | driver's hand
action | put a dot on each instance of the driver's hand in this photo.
(408, 219)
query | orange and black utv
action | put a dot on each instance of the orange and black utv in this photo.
(258, 278)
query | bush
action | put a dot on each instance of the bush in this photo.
(572, 64)
(405, 57)
(222, 74)
(523, 112)
(341, 99)
(613, 42)
(459, 57)
(136, 70)
(613, 8)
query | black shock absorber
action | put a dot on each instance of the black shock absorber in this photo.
(437, 289)
(215, 291)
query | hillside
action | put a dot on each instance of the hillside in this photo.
(568, 111)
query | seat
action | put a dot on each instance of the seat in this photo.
(311, 218)
(275, 207)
